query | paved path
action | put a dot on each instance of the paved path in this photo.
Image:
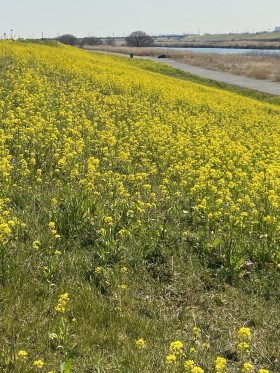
(266, 86)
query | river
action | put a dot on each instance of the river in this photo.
(226, 50)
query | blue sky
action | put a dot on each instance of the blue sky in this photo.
(29, 18)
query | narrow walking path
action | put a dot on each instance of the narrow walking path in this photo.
(265, 86)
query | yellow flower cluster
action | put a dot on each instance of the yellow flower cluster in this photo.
(177, 355)
(189, 365)
(53, 229)
(22, 354)
(62, 301)
(6, 222)
(98, 125)
(171, 359)
(38, 364)
(247, 367)
(129, 146)
(176, 347)
(220, 365)
(138, 140)
(244, 337)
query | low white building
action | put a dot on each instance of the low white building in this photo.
(277, 29)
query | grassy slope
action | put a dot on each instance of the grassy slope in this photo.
(253, 65)
(178, 74)
(169, 291)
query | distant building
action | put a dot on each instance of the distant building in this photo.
(277, 29)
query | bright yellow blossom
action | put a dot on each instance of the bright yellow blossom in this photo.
(36, 245)
(22, 354)
(51, 224)
(243, 347)
(38, 364)
(220, 364)
(247, 367)
(140, 343)
(188, 365)
(244, 335)
(176, 347)
(197, 369)
(62, 301)
(171, 359)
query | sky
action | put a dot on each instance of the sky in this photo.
(51, 18)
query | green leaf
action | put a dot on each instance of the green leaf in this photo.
(66, 366)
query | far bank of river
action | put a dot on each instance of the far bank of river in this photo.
(222, 50)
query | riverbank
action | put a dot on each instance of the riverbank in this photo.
(243, 44)
(256, 66)
(261, 40)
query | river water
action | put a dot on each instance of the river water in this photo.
(227, 50)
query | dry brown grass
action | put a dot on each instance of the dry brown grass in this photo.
(256, 65)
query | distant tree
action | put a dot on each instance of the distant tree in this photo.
(139, 39)
(110, 41)
(68, 39)
(90, 40)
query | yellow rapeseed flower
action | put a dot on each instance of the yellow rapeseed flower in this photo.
(176, 347)
(22, 354)
(51, 224)
(188, 365)
(62, 301)
(98, 270)
(244, 334)
(36, 244)
(243, 347)
(220, 364)
(247, 367)
(196, 331)
(140, 343)
(192, 350)
(38, 364)
(197, 369)
(171, 359)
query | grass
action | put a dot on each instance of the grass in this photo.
(104, 236)
(231, 37)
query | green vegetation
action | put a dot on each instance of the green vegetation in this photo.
(223, 37)
(139, 218)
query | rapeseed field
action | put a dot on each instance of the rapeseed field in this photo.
(139, 219)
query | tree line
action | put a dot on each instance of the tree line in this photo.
(135, 39)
